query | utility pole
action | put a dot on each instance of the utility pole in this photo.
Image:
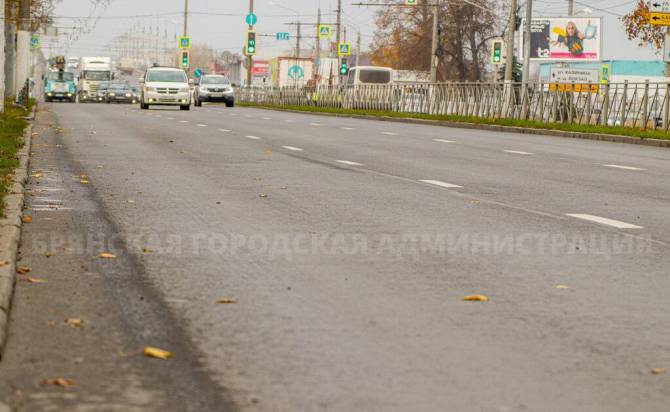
(23, 47)
(433, 53)
(297, 42)
(571, 7)
(339, 22)
(510, 42)
(526, 41)
(317, 57)
(2, 56)
(358, 48)
(250, 59)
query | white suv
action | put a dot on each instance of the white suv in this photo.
(165, 86)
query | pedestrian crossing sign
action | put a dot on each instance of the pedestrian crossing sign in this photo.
(325, 32)
(344, 49)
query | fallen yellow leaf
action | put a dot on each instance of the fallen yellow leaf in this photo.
(263, 195)
(62, 382)
(226, 301)
(156, 353)
(49, 254)
(23, 270)
(4, 263)
(147, 250)
(74, 322)
(30, 279)
(562, 287)
(476, 298)
(105, 255)
(27, 219)
(37, 175)
(658, 371)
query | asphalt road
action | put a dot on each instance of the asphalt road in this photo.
(347, 246)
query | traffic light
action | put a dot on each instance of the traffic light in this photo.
(251, 43)
(344, 67)
(497, 51)
(185, 59)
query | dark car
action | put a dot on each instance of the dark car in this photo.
(120, 92)
(214, 88)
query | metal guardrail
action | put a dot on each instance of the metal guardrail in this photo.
(638, 105)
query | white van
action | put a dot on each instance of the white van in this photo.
(370, 75)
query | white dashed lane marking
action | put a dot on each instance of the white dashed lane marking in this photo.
(349, 163)
(443, 141)
(604, 221)
(519, 152)
(348, 128)
(253, 137)
(315, 124)
(441, 184)
(624, 167)
(390, 133)
(224, 130)
(292, 148)
(183, 121)
(202, 125)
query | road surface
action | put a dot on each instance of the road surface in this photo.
(347, 247)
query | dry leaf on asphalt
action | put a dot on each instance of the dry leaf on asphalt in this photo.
(31, 279)
(4, 263)
(27, 219)
(74, 322)
(562, 287)
(147, 250)
(105, 255)
(226, 301)
(476, 298)
(156, 353)
(37, 175)
(131, 201)
(62, 382)
(263, 195)
(658, 371)
(49, 254)
(23, 270)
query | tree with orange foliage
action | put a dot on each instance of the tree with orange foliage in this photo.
(638, 27)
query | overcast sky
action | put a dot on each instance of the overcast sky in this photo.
(221, 23)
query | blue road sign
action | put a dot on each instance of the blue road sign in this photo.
(283, 36)
(296, 72)
(197, 73)
(251, 19)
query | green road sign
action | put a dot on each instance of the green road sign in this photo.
(344, 49)
(251, 19)
(35, 41)
(296, 72)
(325, 31)
(185, 42)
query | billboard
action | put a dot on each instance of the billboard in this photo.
(564, 39)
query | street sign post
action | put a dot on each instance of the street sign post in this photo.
(325, 31)
(185, 42)
(283, 36)
(344, 49)
(251, 19)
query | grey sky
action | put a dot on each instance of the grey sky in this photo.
(225, 30)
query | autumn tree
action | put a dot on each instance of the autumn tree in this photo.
(403, 38)
(638, 27)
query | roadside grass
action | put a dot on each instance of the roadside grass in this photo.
(567, 127)
(12, 126)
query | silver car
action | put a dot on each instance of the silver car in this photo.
(214, 88)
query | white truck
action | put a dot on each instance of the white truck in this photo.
(92, 72)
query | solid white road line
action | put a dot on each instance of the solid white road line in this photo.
(624, 167)
(604, 221)
(519, 153)
(202, 125)
(295, 149)
(349, 163)
(390, 133)
(440, 183)
(253, 137)
(224, 130)
(443, 141)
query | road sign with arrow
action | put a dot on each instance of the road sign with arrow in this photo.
(659, 12)
(660, 6)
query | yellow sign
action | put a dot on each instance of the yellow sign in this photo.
(605, 73)
(325, 31)
(577, 87)
(659, 19)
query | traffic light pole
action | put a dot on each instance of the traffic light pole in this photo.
(250, 58)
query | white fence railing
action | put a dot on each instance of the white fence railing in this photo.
(639, 105)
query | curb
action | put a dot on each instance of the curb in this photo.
(490, 127)
(10, 231)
